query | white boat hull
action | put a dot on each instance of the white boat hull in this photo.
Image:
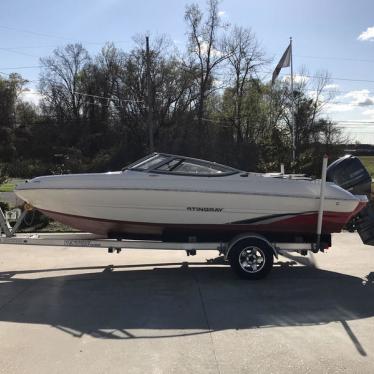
(156, 211)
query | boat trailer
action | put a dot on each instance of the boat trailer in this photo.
(251, 255)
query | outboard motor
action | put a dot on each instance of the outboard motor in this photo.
(349, 173)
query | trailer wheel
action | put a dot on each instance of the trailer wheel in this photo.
(251, 258)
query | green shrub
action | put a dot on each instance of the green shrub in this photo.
(34, 220)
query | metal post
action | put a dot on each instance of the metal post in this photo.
(149, 101)
(321, 200)
(4, 225)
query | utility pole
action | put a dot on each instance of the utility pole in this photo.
(293, 111)
(149, 96)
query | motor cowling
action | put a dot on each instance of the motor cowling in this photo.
(349, 173)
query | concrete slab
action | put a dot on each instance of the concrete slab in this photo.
(83, 310)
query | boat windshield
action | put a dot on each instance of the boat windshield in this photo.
(179, 165)
(147, 163)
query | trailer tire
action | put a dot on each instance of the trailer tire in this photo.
(251, 258)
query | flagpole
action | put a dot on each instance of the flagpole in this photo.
(292, 110)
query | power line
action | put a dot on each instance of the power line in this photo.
(356, 122)
(22, 67)
(28, 80)
(350, 104)
(107, 98)
(18, 52)
(54, 45)
(33, 32)
(301, 76)
(330, 58)
(336, 58)
(54, 36)
(12, 50)
(331, 91)
(94, 96)
(334, 78)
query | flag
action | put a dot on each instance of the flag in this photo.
(284, 62)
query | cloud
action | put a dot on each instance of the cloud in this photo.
(367, 102)
(221, 13)
(351, 101)
(360, 97)
(367, 35)
(313, 95)
(369, 113)
(357, 94)
(30, 95)
(332, 86)
(204, 50)
(338, 107)
(297, 78)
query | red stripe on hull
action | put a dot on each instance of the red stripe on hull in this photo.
(298, 224)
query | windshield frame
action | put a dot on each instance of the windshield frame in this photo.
(169, 157)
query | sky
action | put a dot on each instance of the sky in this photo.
(328, 35)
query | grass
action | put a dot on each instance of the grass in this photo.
(7, 187)
(368, 162)
(10, 184)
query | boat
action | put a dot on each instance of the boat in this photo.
(175, 197)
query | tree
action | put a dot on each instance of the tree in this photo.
(9, 91)
(61, 82)
(100, 80)
(302, 110)
(245, 58)
(93, 112)
(205, 45)
(172, 89)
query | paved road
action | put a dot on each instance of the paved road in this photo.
(84, 311)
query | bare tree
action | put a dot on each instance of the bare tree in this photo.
(303, 110)
(100, 86)
(10, 90)
(204, 44)
(321, 96)
(61, 80)
(245, 58)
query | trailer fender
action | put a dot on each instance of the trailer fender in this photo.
(240, 237)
